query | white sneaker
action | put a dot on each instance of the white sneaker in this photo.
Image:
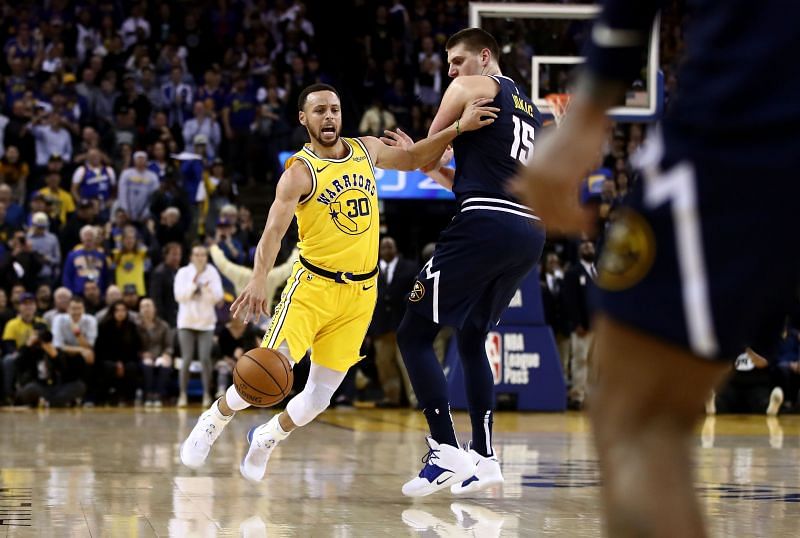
(775, 402)
(262, 440)
(487, 474)
(195, 449)
(183, 401)
(445, 465)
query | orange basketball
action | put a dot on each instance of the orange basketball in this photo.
(263, 377)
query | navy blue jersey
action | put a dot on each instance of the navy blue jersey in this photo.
(488, 157)
(739, 80)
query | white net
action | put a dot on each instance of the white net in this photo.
(558, 105)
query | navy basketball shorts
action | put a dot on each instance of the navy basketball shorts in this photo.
(706, 255)
(480, 260)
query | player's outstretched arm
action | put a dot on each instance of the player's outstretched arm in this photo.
(441, 173)
(292, 186)
(474, 116)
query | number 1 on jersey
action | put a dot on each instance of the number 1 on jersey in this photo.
(522, 148)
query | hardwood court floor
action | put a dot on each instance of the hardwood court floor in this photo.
(116, 472)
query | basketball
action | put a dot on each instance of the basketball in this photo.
(263, 377)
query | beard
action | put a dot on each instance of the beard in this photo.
(317, 138)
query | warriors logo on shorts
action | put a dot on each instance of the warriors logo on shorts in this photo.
(628, 253)
(417, 293)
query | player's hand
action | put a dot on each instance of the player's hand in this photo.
(252, 302)
(478, 115)
(444, 161)
(397, 138)
(550, 183)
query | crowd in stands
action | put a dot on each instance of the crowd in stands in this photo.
(128, 130)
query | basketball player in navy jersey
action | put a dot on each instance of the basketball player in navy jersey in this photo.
(684, 277)
(482, 256)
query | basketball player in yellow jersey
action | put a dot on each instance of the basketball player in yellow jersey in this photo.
(328, 301)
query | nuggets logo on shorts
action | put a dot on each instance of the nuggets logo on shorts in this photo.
(350, 212)
(417, 293)
(628, 253)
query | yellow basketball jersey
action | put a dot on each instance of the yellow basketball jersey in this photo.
(338, 221)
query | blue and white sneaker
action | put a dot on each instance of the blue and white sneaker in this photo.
(445, 465)
(487, 474)
(262, 440)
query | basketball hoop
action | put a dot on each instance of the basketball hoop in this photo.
(558, 105)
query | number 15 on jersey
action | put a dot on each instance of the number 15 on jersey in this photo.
(522, 148)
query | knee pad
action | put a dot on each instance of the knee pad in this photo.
(312, 401)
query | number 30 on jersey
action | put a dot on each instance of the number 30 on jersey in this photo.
(522, 148)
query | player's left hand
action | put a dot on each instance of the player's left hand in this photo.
(397, 139)
(477, 115)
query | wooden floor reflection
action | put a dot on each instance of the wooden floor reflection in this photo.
(115, 472)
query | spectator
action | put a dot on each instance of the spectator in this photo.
(63, 203)
(160, 131)
(94, 181)
(61, 299)
(93, 300)
(45, 375)
(157, 353)
(162, 281)
(176, 97)
(130, 262)
(85, 215)
(23, 264)
(170, 228)
(376, 120)
(75, 332)
(429, 74)
(136, 186)
(46, 244)
(132, 101)
(15, 213)
(211, 92)
(86, 262)
(198, 288)
(234, 339)
(237, 117)
(552, 286)
(227, 241)
(88, 90)
(51, 138)
(787, 367)
(160, 165)
(203, 123)
(14, 172)
(15, 335)
(135, 29)
(750, 389)
(117, 350)
(6, 314)
(395, 280)
(576, 305)
(131, 299)
(246, 233)
(104, 101)
(44, 299)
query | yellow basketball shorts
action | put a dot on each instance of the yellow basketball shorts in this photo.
(319, 314)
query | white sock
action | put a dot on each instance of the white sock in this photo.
(234, 401)
(274, 426)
